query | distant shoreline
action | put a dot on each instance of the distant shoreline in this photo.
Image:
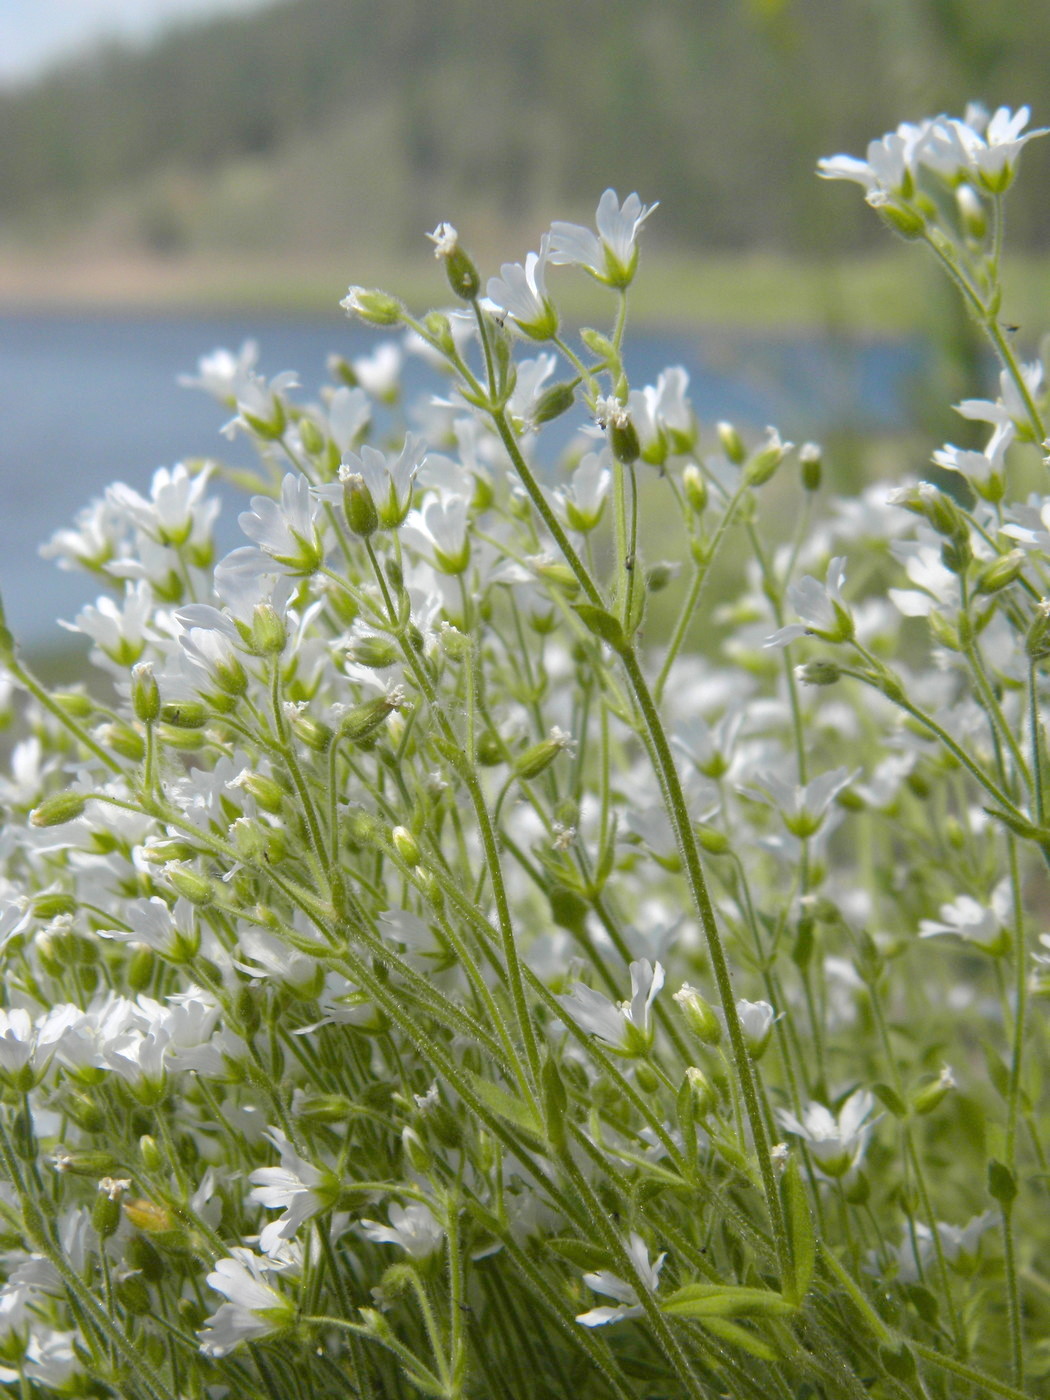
(873, 296)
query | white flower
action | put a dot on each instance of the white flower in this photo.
(522, 293)
(296, 1187)
(379, 373)
(119, 632)
(624, 1027)
(254, 1309)
(836, 1144)
(223, 374)
(286, 530)
(756, 1023)
(583, 499)
(628, 1304)
(889, 165)
(802, 809)
(413, 1227)
(177, 508)
(611, 255)
(441, 526)
(986, 925)
(826, 615)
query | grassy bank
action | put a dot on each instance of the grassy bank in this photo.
(887, 294)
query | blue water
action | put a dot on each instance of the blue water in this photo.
(87, 401)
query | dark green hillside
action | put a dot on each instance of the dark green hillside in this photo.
(324, 122)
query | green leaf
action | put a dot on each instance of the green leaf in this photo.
(590, 1257)
(707, 1300)
(1002, 1184)
(801, 1238)
(890, 1099)
(506, 1105)
(740, 1337)
(603, 625)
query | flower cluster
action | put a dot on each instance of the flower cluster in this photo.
(335, 1050)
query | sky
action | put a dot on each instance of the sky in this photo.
(34, 34)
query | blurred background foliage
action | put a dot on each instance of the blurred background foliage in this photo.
(324, 130)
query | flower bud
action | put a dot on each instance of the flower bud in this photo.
(695, 488)
(145, 693)
(732, 443)
(134, 1296)
(105, 1215)
(926, 1098)
(269, 633)
(972, 217)
(462, 274)
(899, 218)
(196, 888)
(123, 740)
(314, 733)
(149, 1217)
(818, 672)
(1001, 572)
(705, 1095)
(185, 714)
(1037, 641)
(553, 402)
(140, 967)
(358, 506)
(377, 308)
(756, 1023)
(361, 721)
(406, 845)
(376, 652)
(61, 807)
(700, 1015)
(810, 459)
(416, 1151)
(766, 459)
(540, 756)
(74, 703)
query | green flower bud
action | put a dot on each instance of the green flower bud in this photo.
(1000, 573)
(765, 461)
(810, 459)
(185, 714)
(540, 756)
(462, 274)
(818, 672)
(196, 888)
(406, 845)
(267, 792)
(123, 740)
(358, 505)
(61, 807)
(926, 1098)
(140, 968)
(377, 652)
(695, 488)
(268, 633)
(377, 308)
(1037, 641)
(50, 906)
(700, 1015)
(416, 1151)
(311, 437)
(105, 1215)
(732, 443)
(144, 1259)
(705, 1095)
(899, 218)
(364, 719)
(553, 402)
(314, 733)
(133, 1295)
(74, 703)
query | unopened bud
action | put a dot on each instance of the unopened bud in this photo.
(406, 845)
(700, 1015)
(185, 714)
(1001, 572)
(314, 733)
(927, 1098)
(553, 402)
(373, 651)
(196, 888)
(810, 459)
(310, 436)
(818, 672)
(705, 1095)
(377, 308)
(540, 756)
(1037, 641)
(765, 461)
(365, 718)
(908, 222)
(971, 213)
(105, 1215)
(56, 810)
(269, 633)
(145, 693)
(732, 443)
(358, 505)
(416, 1151)
(695, 488)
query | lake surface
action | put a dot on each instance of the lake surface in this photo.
(89, 400)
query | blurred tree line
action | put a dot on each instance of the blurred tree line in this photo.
(334, 119)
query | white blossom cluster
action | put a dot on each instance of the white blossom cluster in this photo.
(440, 912)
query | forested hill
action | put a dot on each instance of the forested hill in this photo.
(331, 121)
